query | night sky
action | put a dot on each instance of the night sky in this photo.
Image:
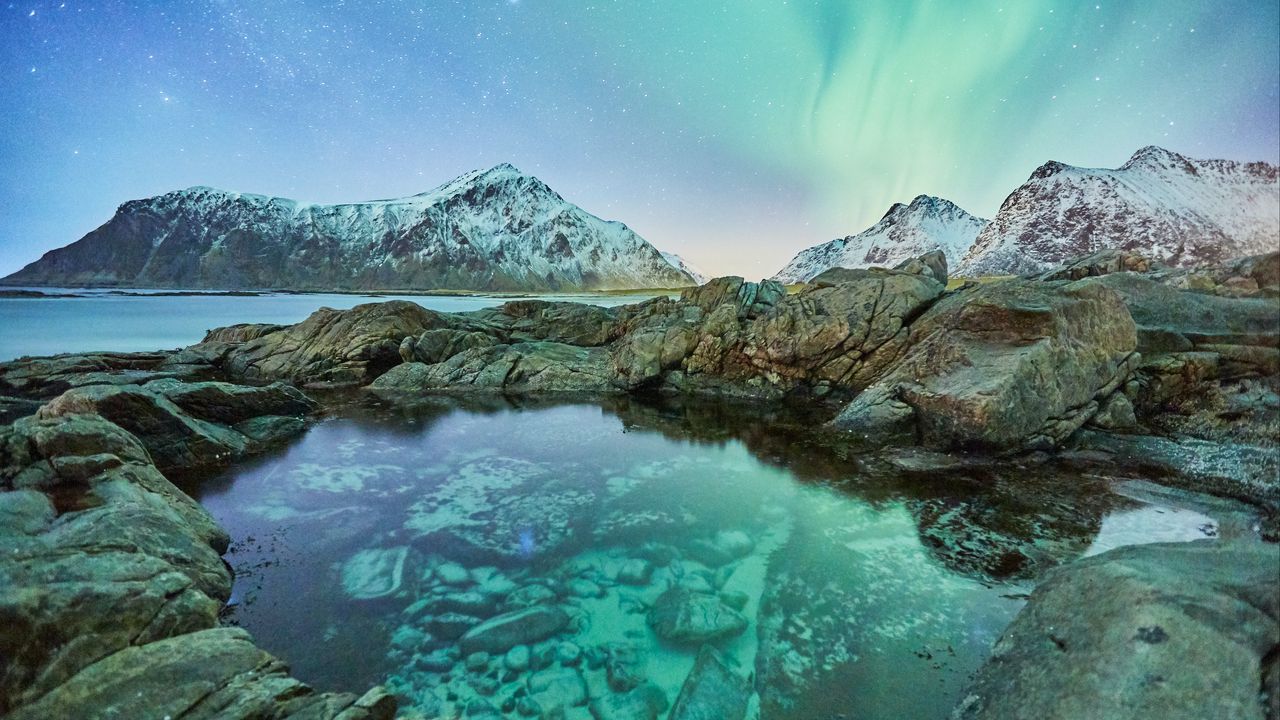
(734, 133)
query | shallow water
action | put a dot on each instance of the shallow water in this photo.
(364, 549)
(102, 321)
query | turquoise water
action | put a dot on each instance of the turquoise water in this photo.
(101, 321)
(407, 545)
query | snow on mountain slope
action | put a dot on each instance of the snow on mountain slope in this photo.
(905, 232)
(1176, 210)
(496, 229)
(683, 266)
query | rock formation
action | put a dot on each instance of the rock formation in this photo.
(112, 578)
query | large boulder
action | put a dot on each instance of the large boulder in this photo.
(1167, 631)
(339, 346)
(1001, 366)
(932, 264)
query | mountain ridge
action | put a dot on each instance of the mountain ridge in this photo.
(905, 231)
(1178, 210)
(494, 229)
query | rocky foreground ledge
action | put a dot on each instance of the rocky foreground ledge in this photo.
(112, 581)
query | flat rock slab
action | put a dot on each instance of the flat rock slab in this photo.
(1168, 631)
(522, 627)
(374, 572)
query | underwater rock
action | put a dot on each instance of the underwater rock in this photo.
(583, 588)
(635, 571)
(374, 572)
(450, 626)
(451, 573)
(568, 653)
(1179, 630)
(624, 665)
(684, 616)
(646, 702)
(557, 689)
(712, 691)
(477, 662)
(529, 595)
(517, 658)
(522, 627)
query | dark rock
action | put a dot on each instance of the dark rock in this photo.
(712, 691)
(683, 616)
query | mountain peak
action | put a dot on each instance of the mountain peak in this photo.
(1153, 156)
(906, 231)
(1049, 169)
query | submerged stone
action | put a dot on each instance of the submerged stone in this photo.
(635, 571)
(557, 689)
(521, 627)
(646, 702)
(685, 616)
(374, 572)
(712, 691)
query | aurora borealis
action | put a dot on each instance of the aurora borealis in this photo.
(733, 133)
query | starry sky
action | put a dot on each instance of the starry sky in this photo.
(734, 133)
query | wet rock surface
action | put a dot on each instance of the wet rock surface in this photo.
(112, 579)
(1170, 631)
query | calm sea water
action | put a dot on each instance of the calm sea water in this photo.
(102, 321)
(367, 548)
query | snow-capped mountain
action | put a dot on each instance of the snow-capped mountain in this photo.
(906, 231)
(684, 266)
(1176, 210)
(497, 229)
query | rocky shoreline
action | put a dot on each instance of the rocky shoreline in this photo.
(115, 579)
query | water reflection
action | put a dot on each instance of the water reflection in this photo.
(510, 557)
